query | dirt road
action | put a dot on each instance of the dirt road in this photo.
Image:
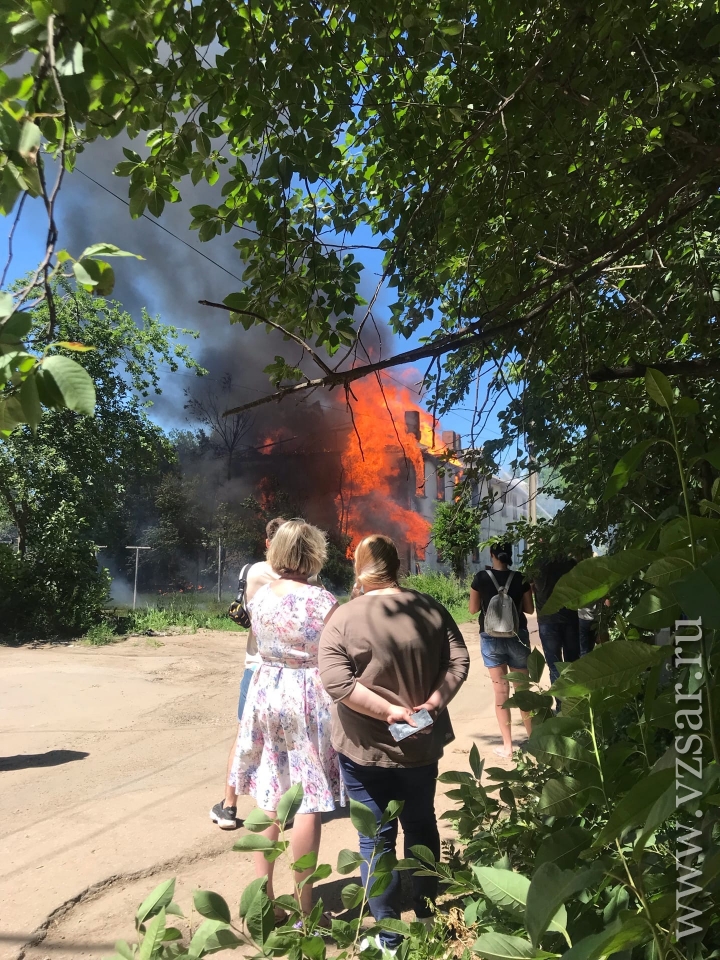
(110, 759)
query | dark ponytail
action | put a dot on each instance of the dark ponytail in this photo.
(502, 552)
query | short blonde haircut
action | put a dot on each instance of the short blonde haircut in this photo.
(298, 548)
(376, 561)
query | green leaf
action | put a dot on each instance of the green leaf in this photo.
(30, 402)
(625, 467)
(72, 64)
(594, 578)
(563, 847)
(500, 946)
(249, 893)
(306, 862)
(87, 273)
(392, 811)
(106, 283)
(363, 819)
(423, 853)
(252, 842)
(203, 934)
(29, 142)
(451, 28)
(590, 948)
(11, 414)
(348, 861)
(322, 873)
(557, 751)
(528, 701)
(6, 307)
(313, 948)
(260, 918)
(122, 948)
(290, 803)
(257, 821)
(659, 388)
(535, 665)
(550, 888)
(667, 570)
(153, 938)
(654, 610)
(634, 806)
(106, 250)
(352, 896)
(154, 902)
(699, 593)
(505, 888)
(476, 763)
(561, 797)
(632, 933)
(395, 926)
(73, 383)
(381, 882)
(686, 407)
(663, 808)
(611, 666)
(222, 939)
(211, 905)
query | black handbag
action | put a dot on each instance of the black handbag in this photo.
(237, 611)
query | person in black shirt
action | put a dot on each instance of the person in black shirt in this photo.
(559, 632)
(502, 653)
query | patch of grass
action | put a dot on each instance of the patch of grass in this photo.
(190, 611)
(452, 593)
(100, 635)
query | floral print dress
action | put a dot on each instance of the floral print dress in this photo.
(284, 735)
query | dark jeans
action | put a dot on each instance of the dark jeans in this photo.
(560, 640)
(588, 635)
(376, 787)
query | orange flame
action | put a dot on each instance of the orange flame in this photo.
(378, 466)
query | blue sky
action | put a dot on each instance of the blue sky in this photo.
(174, 275)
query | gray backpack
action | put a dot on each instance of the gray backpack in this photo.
(501, 616)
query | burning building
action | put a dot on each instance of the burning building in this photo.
(380, 468)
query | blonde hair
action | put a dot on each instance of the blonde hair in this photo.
(297, 547)
(376, 561)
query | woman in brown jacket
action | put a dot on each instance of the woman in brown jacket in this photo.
(383, 656)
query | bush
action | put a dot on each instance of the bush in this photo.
(56, 589)
(449, 591)
(570, 854)
(101, 634)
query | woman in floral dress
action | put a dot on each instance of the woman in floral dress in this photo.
(284, 735)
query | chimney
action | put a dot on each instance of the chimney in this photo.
(451, 439)
(412, 423)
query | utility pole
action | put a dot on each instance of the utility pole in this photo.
(219, 588)
(137, 560)
(532, 486)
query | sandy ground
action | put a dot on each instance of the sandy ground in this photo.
(110, 758)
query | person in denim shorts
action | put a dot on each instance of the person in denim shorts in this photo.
(501, 654)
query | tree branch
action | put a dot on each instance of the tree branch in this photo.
(276, 326)
(475, 333)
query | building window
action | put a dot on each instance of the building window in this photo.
(441, 486)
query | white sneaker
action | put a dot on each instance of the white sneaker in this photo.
(387, 953)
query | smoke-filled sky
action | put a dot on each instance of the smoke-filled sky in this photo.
(172, 278)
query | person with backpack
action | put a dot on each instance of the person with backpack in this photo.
(503, 598)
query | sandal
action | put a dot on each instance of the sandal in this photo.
(281, 916)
